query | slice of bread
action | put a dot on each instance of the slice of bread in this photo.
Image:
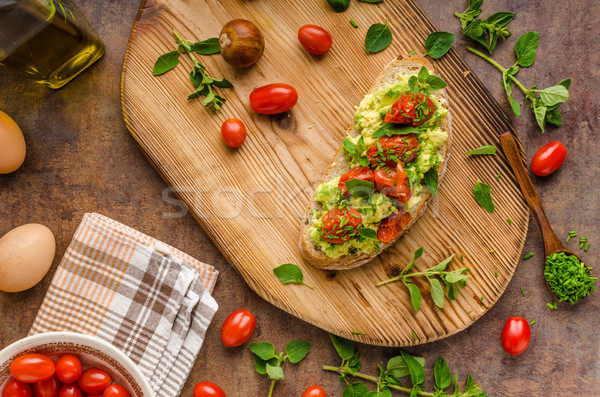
(339, 166)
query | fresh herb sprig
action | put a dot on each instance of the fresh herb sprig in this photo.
(268, 362)
(451, 279)
(204, 83)
(390, 376)
(425, 83)
(290, 273)
(355, 152)
(484, 31)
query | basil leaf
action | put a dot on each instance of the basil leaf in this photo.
(442, 374)
(360, 188)
(297, 350)
(390, 129)
(553, 117)
(222, 83)
(378, 38)
(368, 233)
(526, 48)
(289, 273)
(423, 74)
(451, 290)
(398, 367)
(470, 13)
(261, 365)
(555, 95)
(437, 292)
(432, 180)
(349, 146)
(438, 44)
(413, 83)
(274, 372)
(540, 115)
(200, 91)
(485, 149)
(483, 195)
(435, 83)
(344, 347)
(264, 350)
(207, 47)
(565, 83)
(415, 296)
(339, 5)
(165, 62)
(440, 267)
(417, 372)
(455, 277)
(500, 19)
(357, 389)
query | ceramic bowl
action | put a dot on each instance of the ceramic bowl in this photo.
(92, 351)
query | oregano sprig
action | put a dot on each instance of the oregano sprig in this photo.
(425, 83)
(484, 31)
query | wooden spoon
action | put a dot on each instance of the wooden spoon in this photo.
(551, 243)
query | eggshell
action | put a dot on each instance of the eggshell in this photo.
(26, 254)
(12, 145)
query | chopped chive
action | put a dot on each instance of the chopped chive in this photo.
(414, 335)
(482, 298)
(470, 311)
(491, 251)
(568, 238)
(522, 292)
(581, 245)
(572, 233)
(498, 176)
(527, 256)
(552, 305)
(496, 274)
(532, 322)
(411, 52)
(509, 221)
(358, 333)
(462, 258)
(582, 240)
(587, 245)
(568, 277)
(353, 23)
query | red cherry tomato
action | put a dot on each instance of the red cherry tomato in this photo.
(115, 391)
(393, 183)
(238, 328)
(68, 368)
(14, 388)
(394, 149)
(208, 389)
(273, 98)
(362, 173)
(315, 39)
(332, 223)
(314, 391)
(233, 132)
(47, 388)
(413, 109)
(549, 158)
(31, 368)
(516, 335)
(390, 227)
(70, 390)
(94, 381)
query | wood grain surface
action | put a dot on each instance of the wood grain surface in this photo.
(250, 201)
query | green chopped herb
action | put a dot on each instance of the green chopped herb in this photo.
(470, 311)
(482, 298)
(509, 221)
(491, 251)
(568, 277)
(582, 239)
(572, 233)
(496, 274)
(568, 238)
(411, 52)
(498, 176)
(358, 333)
(552, 305)
(414, 335)
(522, 292)
(353, 23)
(581, 245)
(587, 245)
(532, 322)
(527, 256)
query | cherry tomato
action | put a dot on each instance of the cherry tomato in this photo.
(238, 328)
(208, 389)
(47, 388)
(315, 39)
(68, 368)
(31, 368)
(94, 381)
(393, 183)
(394, 149)
(233, 132)
(337, 233)
(14, 388)
(549, 158)
(70, 390)
(516, 335)
(273, 98)
(362, 173)
(413, 109)
(314, 391)
(115, 391)
(390, 227)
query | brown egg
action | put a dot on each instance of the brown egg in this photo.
(12, 145)
(26, 254)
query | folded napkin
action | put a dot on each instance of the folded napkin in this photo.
(148, 299)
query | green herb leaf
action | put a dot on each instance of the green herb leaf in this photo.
(398, 367)
(274, 372)
(207, 47)
(442, 374)
(264, 350)
(485, 149)
(166, 62)
(413, 84)
(417, 372)
(432, 180)
(440, 267)
(437, 292)
(389, 129)
(378, 38)
(500, 19)
(358, 333)
(507, 85)
(357, 389)
(418, 253)
(555, 95)
(423, 74)
(529, 255)
(368, 233)
(415, 296)
(360, 188)
(222, 83)
(472, 389)
(540, 115)
(438, 44)
(261, 365)
(339, 5)
(344, 347)
(297, 350)
(470, 13)
(526, 48)
(483, 195)
(290, 273)
(435, 83)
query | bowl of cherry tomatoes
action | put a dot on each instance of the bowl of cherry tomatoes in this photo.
(67, 364)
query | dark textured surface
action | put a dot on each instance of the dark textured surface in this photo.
(81, 159)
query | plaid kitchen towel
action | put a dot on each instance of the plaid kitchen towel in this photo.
(150, 300)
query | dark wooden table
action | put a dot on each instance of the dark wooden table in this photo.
(80, 159)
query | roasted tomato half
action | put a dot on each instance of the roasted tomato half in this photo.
(341, 224)
(393, 182)
(412, 109)
(392, 226)
(394, 149)
(362, 173)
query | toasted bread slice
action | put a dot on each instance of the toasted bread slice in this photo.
(339, 166)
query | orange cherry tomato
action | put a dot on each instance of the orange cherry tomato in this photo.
(70, 390)
(412, 109)
(115, 391)
(47, 388)
(31, 368)
(393, 183)
(68, 368)
(14, 388)
(314, 391)
(315, 39)
(273, 98)
(94, 381)
(362, 173)
(394, 149)
(208, 389)
(340, 225)
(390, 227)
(549, 158)
(516, 335)
(233, 132)
(238, 328)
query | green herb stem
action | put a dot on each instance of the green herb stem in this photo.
(500, 68)
(272, 387)
(391, 280)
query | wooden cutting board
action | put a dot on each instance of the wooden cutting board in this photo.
(251, 200)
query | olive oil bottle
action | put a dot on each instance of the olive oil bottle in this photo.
(47, 40)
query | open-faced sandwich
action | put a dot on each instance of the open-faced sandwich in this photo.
(386, 170)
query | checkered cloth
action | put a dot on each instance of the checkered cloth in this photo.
(150, 300)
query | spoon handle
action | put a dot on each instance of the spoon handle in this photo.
(551, 242)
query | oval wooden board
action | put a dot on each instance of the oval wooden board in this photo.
(251, 200)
